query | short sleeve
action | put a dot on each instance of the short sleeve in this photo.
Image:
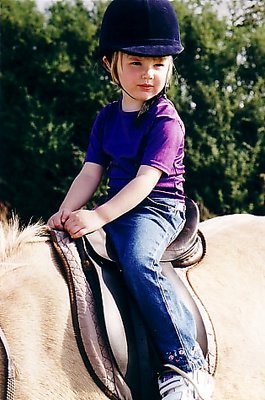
(95, 152)
(165, 141)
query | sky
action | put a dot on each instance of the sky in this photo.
(42, 4)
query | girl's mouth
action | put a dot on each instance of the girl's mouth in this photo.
(145, 86)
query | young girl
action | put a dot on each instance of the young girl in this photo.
(139, 141)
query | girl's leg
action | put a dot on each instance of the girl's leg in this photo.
(139, 239)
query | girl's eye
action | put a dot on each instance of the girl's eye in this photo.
(135, 63)
(159, 65)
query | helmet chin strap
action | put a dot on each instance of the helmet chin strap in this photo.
(124, 90)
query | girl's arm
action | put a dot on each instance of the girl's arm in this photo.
(82, 222)
(81, 190)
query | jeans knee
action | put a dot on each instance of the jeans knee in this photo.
(133, 262)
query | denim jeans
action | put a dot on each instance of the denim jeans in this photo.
(138, 240)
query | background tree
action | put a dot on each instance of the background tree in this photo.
(222, 109)
(50, 94)
(52, 87)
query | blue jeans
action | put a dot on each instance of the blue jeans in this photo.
(138, 240)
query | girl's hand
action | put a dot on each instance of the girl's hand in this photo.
(57, 220)
(81, 222)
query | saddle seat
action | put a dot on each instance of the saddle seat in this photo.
(188, 249)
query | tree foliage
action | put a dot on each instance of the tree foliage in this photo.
(52, 86)
(221, 99)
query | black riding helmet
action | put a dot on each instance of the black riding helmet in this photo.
(140, 27)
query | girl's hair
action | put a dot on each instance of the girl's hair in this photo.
(111, 65)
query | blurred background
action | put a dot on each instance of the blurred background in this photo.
(53, 86)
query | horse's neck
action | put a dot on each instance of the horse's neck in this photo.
(35, 315)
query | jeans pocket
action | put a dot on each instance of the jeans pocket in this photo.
(168, 205)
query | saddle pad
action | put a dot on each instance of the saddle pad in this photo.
(92, 343)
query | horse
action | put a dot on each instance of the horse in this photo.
(36, 319)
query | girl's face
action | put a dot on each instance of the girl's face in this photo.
(141, 78)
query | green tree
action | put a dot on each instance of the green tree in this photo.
(52, 86)
(220, 93)
(51, 92)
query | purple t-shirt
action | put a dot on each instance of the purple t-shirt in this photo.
(122, 146)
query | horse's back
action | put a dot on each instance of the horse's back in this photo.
(230, 282)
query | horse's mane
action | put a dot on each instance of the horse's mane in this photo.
(13, 235)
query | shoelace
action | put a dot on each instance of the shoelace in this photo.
(185, 376)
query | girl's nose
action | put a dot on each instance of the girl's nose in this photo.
(148, 74)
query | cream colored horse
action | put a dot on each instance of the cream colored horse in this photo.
(35, 312)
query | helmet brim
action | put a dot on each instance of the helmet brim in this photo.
(153, 51)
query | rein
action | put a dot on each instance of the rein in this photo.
(9, 369)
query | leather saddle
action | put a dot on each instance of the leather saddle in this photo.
(129, 345)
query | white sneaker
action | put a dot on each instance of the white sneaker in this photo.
(179, 385)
